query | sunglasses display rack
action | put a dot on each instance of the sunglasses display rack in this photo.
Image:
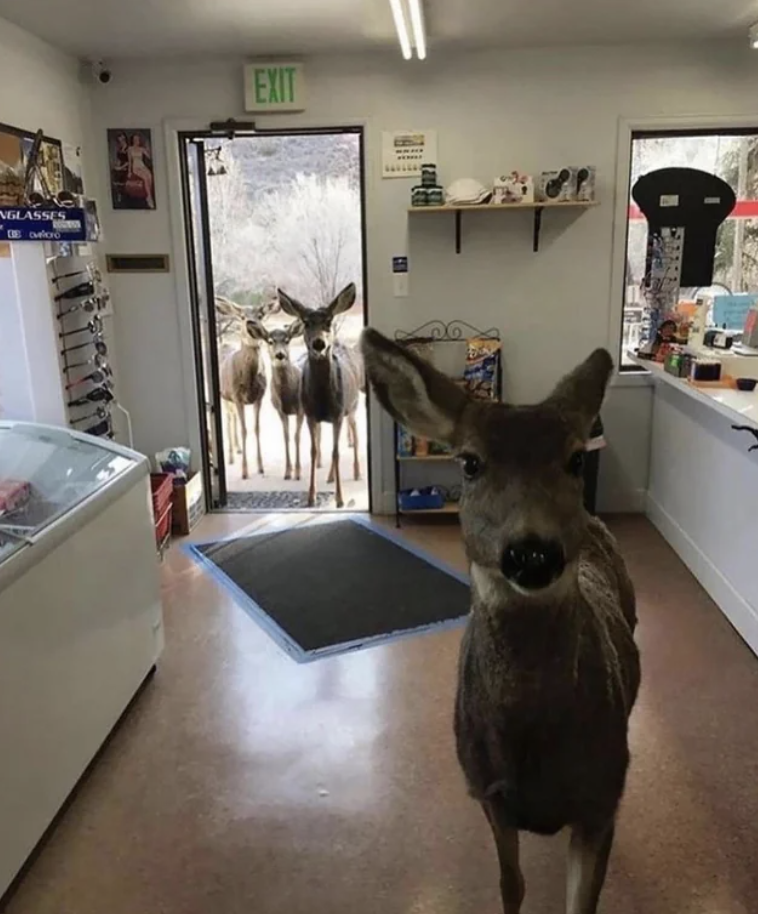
(81, 304)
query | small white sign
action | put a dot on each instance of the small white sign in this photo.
(405, 151)
(273, 86)
(669, 200)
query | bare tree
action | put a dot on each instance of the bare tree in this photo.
(236, 238)
(313, 235)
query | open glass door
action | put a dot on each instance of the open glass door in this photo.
(204, 318)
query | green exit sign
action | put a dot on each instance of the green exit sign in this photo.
(273, 87)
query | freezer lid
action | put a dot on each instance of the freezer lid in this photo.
(45, 472)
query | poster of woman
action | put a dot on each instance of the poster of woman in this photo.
(130, 155)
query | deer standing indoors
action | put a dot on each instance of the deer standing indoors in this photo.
(549, 670)
(331, 382)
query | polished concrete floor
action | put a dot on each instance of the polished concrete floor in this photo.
(242, 783)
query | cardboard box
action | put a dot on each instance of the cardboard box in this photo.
(189, 505)
(513, 188)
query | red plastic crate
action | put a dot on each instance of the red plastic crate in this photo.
(162, 486)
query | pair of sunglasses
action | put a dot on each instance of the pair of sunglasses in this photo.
(98, 360)
(65, 199)
(100, 376)
(93, 396)
(98, 342)
(102, 412)
(94, 326)
(80, 290)
(100, 429)
(89, 304)
(91, 271)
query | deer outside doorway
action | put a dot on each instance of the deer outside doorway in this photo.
(276, 229)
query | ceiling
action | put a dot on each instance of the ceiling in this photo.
(111, 29)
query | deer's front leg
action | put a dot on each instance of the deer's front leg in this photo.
(336, 463)
(314, 429)
(230, 430)
(298, 430)
(258, 435)
(507, 843)
(318, 446)
(587, 864)
(353, 425)
(243, 434)
(286, 428)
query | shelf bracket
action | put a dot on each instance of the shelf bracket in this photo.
(458, 215)
(537, 228)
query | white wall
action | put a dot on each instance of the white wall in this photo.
(41, 87)
(493, 111)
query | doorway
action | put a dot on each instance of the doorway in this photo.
(269, 211)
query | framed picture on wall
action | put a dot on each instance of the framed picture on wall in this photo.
(132, 175)
(15, 146)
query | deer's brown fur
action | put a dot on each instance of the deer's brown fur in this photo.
(548, 674)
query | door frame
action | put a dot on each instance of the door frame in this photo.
(179, 137)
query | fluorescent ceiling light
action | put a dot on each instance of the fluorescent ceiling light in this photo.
(417, 24)
(402, 28)
(753, 35)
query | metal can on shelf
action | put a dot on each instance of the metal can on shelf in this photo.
(435, 196)
(419, 196)
(428, 174)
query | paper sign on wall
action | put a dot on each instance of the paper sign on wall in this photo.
(273, 87)
(404, 152)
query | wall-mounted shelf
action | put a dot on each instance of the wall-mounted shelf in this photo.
(450, 507)
(536, 208)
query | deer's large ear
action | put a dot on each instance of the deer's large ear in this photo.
(295, 330)
(413, 392)
(580, 394)
(257, 331)
(291, 305)
(343, 302)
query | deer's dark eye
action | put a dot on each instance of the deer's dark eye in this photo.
(575, 465)
(471, 465)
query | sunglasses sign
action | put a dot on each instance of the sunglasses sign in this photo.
(35, 224)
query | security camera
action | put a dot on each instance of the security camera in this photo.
(101, 73)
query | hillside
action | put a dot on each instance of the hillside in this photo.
(269, 163)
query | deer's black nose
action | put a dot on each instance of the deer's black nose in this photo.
(319, 345)
(279, 355)
(533, 563)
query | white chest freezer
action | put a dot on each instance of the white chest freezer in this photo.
(81, 625)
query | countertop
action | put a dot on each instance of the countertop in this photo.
(740, 407)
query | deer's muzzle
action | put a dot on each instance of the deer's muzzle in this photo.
(533, 563)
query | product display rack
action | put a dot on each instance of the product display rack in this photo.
(81, 305)
(435, 332)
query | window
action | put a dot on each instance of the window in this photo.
(733, 156)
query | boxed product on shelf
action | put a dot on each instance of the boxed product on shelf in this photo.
(421, 447)
(480, 372)
(404, 442)
(513, 188)
(557, 186)
(426, 499)
(584, 182)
